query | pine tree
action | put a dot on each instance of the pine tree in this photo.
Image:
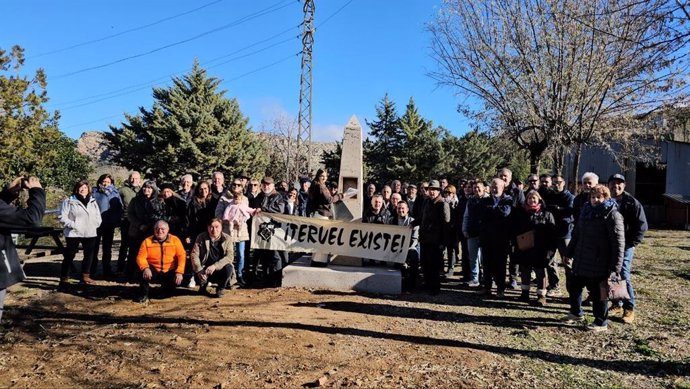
(191, 128)
(421, 152)
(30, 140)
(387, 141)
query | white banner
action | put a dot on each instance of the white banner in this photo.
(272, 231)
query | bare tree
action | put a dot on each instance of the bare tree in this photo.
(553, 74)
(281, 140)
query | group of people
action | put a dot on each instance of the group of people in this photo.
(499, 232)
(505, 234)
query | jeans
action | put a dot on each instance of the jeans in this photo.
(626, 275)
(600, 309)
(239, 249)
(475, 256)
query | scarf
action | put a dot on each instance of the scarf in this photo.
(83, 200)
(597, 212)
(533, 208)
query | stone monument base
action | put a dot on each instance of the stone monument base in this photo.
(382, 280)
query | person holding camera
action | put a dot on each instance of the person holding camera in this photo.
(13, 217)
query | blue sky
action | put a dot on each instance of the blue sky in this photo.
(363, 49)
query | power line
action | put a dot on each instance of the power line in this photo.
(125, 32)
(68, 105)
(265, 11)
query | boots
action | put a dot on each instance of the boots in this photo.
(86, 279)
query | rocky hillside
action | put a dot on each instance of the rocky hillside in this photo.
(93, 145)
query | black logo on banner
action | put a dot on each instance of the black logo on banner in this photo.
(266, 231)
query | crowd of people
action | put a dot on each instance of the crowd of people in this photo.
(498, 235)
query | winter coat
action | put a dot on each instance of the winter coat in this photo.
(598, 241)
(471, 218)
(236, 217)
(202, 248)
(435, 224)
(165, 256)
(544, 227)
(127, 194)
(174, 211)
(142, 214)
(579, 202)
(199, 213)
(383, 217)
(320, 199)
(273, 202)
(634, 219)
(15, 217)
(495, 220)
(80, 221)
(110, 204)
(560, 204)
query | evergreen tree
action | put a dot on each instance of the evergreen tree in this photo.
(30, 139)
(191, 128)
(473, 155)
(420, 152)
(387, 141)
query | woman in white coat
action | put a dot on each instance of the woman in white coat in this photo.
(80, 215)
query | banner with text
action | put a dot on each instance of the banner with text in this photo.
(272, 231)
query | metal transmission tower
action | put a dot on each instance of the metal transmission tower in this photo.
(304, 117)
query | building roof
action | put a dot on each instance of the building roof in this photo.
(679, 198)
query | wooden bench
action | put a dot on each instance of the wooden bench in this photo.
(38, 232)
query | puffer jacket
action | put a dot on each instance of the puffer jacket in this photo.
(165, 256)
(110, 204)
(80, 221)
(13, 217)
(598, 241)
(143, 213)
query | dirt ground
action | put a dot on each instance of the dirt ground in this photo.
(274, 338)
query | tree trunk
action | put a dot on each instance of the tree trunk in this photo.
(534, 162)
(576, 166)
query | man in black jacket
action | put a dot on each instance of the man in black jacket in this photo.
(559, 202)
(635, 225)
(272, 261)
(14, 217)
(432, 232)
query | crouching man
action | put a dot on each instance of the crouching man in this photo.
(212, 257)
(161, 259)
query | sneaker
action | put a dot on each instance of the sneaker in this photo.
(553, 292)
(220, 293)
(144, 298)
(473, 284)
(595, 328)
(628, 316)
(572, 319)
(192, 283)
(615, 310)
(541, 301)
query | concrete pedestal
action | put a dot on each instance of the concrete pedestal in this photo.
(382, 280)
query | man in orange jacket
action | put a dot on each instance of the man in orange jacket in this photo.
(161, 259)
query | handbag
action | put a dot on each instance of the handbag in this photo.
(525, 241)
(614, 290)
